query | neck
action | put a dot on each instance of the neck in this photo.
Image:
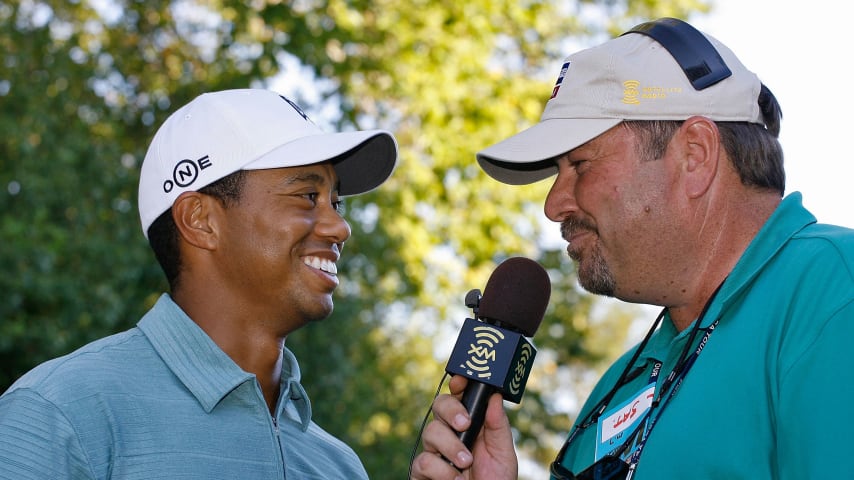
(255, 348)
(722, 236)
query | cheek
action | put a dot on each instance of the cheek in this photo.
(627, 216)
(641, 196)
(268, 240)
(603, 199)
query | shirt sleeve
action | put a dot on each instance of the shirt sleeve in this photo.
(814, 423)
(37, 441)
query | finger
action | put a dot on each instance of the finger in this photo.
(429, 466)
(452, 412)
(497, 440)
(440, 439)
(496, 417)
(457, 384)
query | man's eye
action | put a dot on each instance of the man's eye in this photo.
(338, 205)
(311, 197)
(576, 164)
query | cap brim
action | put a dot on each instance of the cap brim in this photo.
(529, 155)
(363, 160)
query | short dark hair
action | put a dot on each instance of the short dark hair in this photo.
(163, 235)
(753, 149)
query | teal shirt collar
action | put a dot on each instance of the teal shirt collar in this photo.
(207, 372)
(788, 219)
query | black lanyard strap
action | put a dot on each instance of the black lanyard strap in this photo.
(674, 380)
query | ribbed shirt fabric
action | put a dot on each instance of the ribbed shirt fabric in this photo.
(162, 400)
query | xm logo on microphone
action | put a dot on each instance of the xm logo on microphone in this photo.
(483, 350)
(522, 369)
(494, 356)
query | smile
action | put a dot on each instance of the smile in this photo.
(321, 264)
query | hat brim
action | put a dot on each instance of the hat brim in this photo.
(363, 160)
(528, 156)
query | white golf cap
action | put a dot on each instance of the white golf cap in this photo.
(632, 77)
(219, 133)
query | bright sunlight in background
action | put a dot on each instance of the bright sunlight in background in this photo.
(802, 52)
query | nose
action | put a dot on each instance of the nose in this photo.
(332, 225)
(560, 202)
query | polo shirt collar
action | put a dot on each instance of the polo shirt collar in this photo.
(291, 389)
(788, 219)
(207, 372)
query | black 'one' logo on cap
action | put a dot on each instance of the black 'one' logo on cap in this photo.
(185, 173)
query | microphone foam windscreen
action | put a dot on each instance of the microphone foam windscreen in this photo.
(517, 294)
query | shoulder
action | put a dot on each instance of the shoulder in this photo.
(88, 368)
(830, 241)
(806, 296)
(819, 262)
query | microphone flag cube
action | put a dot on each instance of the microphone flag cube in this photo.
(494, 356)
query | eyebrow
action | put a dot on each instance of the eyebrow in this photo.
(309, 177)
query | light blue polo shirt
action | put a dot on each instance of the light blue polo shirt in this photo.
(162, 401)
(770, 396)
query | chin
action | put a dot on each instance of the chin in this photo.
(307, 307)
(322, 312)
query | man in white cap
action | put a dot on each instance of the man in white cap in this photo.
(669, 190)
(239, 197)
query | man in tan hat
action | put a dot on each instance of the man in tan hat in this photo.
(669, 190)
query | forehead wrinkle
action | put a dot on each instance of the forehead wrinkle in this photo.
(605, 145)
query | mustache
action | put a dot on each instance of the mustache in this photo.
(571, 225)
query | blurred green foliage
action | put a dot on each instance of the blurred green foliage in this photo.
(84, 84)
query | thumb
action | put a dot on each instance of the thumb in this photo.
(498, 437)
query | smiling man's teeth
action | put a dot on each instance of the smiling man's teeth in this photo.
(323, 264)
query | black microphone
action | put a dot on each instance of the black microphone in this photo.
(491, 350)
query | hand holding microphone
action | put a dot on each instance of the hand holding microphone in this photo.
(492, 352)
(491, 356)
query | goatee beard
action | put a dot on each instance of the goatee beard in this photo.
(592, 270)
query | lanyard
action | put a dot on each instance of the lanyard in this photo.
(593, 415)
(677, 375)
(674, 379)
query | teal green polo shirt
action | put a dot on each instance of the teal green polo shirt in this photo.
(162, 401)
(770, 393)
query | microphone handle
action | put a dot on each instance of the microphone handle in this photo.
(475, 399)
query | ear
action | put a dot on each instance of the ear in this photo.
(702, 143)
(195, 217)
